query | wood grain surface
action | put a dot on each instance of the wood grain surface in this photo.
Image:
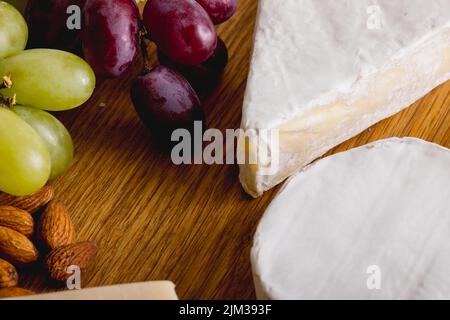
(190, 224)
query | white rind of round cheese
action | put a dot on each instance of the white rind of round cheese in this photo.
(369, 223)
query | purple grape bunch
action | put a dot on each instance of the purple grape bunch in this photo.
(192, 57)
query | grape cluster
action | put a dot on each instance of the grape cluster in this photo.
(192, 59)
(34, 145)
(113, 33)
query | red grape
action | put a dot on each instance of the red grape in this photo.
(219, 10)
(181, 29)
(47, 23)
(202, 77)
(165, 101)
(110, 35)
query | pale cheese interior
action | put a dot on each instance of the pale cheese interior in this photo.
(398, 84)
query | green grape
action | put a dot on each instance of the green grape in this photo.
(24, 158)
(18, 4)
(54, 134)
(48, 79)
(13, 30)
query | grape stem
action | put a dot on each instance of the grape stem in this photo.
(7, 83)
(143, 34)
(7, 101)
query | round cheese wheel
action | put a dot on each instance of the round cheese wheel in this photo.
(369, 223)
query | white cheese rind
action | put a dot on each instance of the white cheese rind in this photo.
(320, 76)
(385, 204)
(308, 51)
(152, 290)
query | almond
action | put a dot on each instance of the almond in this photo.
(56, 227)
(16, 247)
(14, 292)
(78, 254)
(30, 203)
(17, 219)
(8, 274)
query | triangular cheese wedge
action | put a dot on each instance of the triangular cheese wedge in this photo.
(323, 71)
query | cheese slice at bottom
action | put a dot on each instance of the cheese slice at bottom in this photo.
(152, 290)
(369, 223)
(323, 71)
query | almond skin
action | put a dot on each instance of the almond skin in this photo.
(8, 275)
(30, 203)
(56, 227)
(14, 292)
(16, 247)
(79, 254)
(17, 219)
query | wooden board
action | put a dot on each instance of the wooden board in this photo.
(189, 224)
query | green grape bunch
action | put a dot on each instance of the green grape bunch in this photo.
(35, 147)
